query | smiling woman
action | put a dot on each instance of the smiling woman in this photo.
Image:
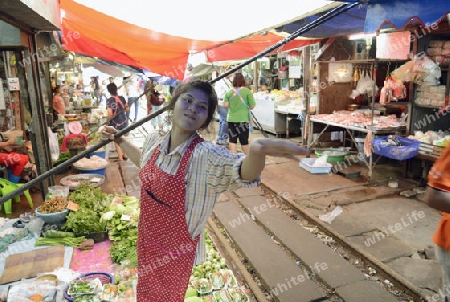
(181, 178)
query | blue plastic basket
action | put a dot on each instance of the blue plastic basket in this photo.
(408, 148)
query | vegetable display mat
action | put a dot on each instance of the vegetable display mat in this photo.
(29, 264)
(95, 260)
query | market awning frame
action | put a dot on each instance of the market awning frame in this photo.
(139, 123)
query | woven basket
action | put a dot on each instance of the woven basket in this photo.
(105, 278)
(76, 142)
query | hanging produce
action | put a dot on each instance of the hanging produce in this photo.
(365, 84)
(355, 77)
(392, 90)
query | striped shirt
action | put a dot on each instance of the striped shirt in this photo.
(212, 170)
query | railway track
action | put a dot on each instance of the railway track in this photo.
(373, 270)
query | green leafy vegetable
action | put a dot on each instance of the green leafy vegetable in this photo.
(57, 234)
(69, 241)
(84, 221)
(90, 198)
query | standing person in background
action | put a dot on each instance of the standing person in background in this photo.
(239, 101)
(437, 195)
(103, 93)
(58, 103)
(117, 118)
(131, 88)
(95, 88)
(221, 87)
(179, 188)
(151, 92)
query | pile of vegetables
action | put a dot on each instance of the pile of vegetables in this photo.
(63, 156)
(212, 280)
(84, 221)
(122, 222)
(214, 262)
(91, 198)
(53, 205)
(91, 203)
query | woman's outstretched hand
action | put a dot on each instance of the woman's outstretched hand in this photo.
(254, 162)
(277, 147)
(107, 132)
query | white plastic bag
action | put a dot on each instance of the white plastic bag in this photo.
(53, 144)
(329, 217)
(321, 161)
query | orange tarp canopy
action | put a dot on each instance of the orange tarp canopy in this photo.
(92, 33)
(253, 45)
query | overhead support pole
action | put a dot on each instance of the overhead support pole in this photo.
(328, 16)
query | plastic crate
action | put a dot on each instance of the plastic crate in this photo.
(308, 165)
(105, 278)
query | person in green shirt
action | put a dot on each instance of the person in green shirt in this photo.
(239, 101)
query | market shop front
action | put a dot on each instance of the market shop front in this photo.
(25, 46)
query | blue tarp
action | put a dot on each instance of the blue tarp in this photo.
(350, 22)
(162, 80)
(370, 17)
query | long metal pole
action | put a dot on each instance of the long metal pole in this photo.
(329, 15)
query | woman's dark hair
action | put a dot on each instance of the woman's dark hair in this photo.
(201, 85)
(55, 90)
(238, 80)
(112, 88)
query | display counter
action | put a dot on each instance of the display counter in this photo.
(277, 118)
(332, 126)
(319, 126)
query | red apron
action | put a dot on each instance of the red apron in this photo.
(166, 250)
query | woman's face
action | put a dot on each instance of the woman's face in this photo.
(191, 110)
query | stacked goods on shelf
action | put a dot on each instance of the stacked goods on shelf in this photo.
(278, 95)
(439, 51)
(430, 95)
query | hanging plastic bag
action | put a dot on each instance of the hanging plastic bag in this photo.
(53, 145)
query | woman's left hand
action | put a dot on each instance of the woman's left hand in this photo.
(277, 147)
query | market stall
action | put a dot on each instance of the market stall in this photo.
(278, 111)
(82, 243)
(357, 124)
